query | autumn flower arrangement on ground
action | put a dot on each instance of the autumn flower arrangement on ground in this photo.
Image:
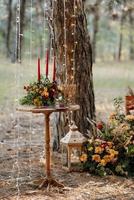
(42, 93)
(100, 158)
(112, 150)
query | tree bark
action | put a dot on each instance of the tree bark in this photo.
(78, 53)
(9, 27)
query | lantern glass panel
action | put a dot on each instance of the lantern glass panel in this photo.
(64, 156)
(76, 164)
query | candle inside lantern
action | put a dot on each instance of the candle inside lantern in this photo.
(54, 69)
(47, 58)
(38, 69)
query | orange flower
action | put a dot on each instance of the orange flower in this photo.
(45, 94)
(112, 156)
(83, 157)
(99, 150)
(103, 162)
(110, 144)
(96, 158)
(107, 158)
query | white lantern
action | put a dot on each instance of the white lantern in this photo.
(72, 148)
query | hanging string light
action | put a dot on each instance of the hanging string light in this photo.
(51, 35)
(17, 57)
(75, 43)
(45, 28)
(30, 62)
(65, 44)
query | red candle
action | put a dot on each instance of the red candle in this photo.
(47, 58)
(54, 69)
(38, 69)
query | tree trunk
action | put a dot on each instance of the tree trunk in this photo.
(95, 27)
(9, 27)
(78, 54)
(120, 38)
(131, 37)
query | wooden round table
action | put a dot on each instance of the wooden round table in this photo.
(47, 111)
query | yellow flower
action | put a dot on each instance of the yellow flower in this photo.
(107, 158)
(90, 148)
(99, 150)
(113, 152)
(96, 158)
(83, 157)
(45, 93)
(37, 102)
(103, 162)
(112, 116)
(110, 144)
(116, 153)
(45, 89)
(112, 156)
(129, 118)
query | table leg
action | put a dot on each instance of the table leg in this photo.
(47, 146)
(48, 180)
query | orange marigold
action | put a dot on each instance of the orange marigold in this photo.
(99, 150)
(96, 158)
(103, 162)
(83, 157)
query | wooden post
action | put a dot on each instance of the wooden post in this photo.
(69, 157)
(47, 145)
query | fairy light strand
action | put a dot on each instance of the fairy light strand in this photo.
(74, 40)
(30, 62)
(17, 94)
(65, 44)
(51, 32)
(45, 29)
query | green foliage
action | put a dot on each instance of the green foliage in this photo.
(118, 104)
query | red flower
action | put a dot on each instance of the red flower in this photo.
(100, 125)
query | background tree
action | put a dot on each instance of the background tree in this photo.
(122, 19)
(131, 33)
(8, 32)
(95, 10)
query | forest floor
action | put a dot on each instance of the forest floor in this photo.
(22, 141)
(22, 162)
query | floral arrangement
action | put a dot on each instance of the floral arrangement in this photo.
(98, 156)
(112, 151)
(42, 93)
